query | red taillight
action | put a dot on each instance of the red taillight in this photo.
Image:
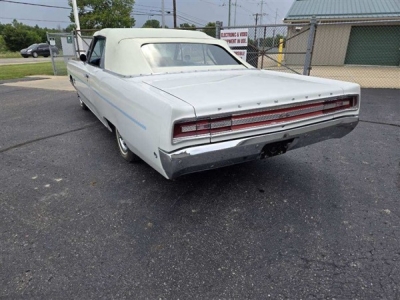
(209, 127)
(337, 105)
(201, 128)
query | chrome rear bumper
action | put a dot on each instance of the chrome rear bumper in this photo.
(211, 156)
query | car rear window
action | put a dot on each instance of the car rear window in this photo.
(187, 54)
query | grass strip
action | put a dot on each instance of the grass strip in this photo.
(22, 70)
(9, 54)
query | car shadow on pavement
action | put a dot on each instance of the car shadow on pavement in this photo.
(277, 205)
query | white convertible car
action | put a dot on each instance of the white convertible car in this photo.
(183, 102)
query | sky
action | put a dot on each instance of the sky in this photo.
(198, 12)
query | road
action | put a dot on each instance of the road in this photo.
(78, 222)
(28, 60)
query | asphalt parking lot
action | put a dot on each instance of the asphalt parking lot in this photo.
(78, 222)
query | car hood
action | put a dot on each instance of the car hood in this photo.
(217, 92)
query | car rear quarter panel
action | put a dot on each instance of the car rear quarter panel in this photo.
(142, 114)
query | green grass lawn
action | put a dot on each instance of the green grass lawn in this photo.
(22, 70)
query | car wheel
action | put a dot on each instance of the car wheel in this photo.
(25, 56)
(45, 56)
(127, 154)
(34, 54)
(83, 105)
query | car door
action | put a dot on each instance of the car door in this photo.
(41, 50)
(45, 50)
(94, 68)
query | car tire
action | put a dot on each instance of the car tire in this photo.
(34, 54)
(127, 154)
(83, 105)
(25, 56)
(45, 56)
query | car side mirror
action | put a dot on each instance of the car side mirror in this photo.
(82, 57)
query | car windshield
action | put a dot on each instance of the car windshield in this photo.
(187, 54)
(32, 46)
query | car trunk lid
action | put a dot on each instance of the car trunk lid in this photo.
(221, 92)
(238, 103)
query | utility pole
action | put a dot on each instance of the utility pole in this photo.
(78, 29)
(273, 35)
(162, 14)
(255, 29)
(229, 13)
(174, 7)
(234, 20)
(261, 11)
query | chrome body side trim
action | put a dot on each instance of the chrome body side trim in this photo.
(216, 155)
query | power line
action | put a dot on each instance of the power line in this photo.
(188, 20)
(35, 4)
(182, 16)
(145, 14)
(192, 17)
(168, 9)
(210, 3)
(18, 19)
(151, 6)
(245, 9)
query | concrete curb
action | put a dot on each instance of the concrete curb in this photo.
(58, 83)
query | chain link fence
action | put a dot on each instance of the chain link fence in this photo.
(68, 45)
(63, 43)
(367, 53)
(276, 47)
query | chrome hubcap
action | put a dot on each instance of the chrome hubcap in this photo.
(122, 144)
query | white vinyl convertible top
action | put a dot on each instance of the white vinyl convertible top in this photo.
(132, 33)
(123, 54)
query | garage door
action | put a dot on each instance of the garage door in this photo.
(374, 45)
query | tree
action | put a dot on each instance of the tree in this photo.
(18, 36)
(70, 28)
(210, 29)
(152, 24)
(187, 26)
(270, 42)
(97, 14)
(3, 46)
(1, 28)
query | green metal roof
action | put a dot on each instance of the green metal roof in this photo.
(343, 9)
